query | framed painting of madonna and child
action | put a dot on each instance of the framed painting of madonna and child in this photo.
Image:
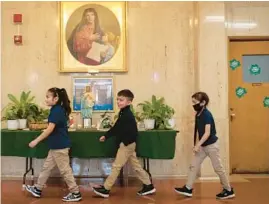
(92, 36)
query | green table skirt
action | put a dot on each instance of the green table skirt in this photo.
(85, 144)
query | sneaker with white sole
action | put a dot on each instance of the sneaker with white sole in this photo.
(101, 191)
(34, 191)
(147, 190)
(184, 191)
(225, 194)
(72, 197)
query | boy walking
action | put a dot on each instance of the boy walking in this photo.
(207, 146)
(125, 131)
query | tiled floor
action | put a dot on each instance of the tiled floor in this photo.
(249, 190)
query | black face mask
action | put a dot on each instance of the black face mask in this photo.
(197, 107)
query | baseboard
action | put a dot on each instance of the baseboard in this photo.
(11, 177)
(208, 178)
(17, 177)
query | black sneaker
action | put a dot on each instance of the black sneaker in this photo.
(101, 191)
(34, 191)
(184, 191)
(225, 194)
(146, 190)
(72, 197)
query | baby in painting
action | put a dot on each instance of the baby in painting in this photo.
(108, 39)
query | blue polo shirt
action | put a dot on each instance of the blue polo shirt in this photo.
(59, 138)
(201, 121)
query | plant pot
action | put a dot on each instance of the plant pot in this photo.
(141, 125)
(22, 123)
(12, 124)
(172, 123)
(149, 124)
(38, 126)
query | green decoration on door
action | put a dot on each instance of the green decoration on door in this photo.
(266, 102)
(234, 64)
(255, 69)
(240, 92)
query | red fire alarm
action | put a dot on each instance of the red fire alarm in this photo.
(17, 18)
(18, 39)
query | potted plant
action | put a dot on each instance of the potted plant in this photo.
(157, 114)
(151, 112)
(10, 113)
(105, 122)
(22, 106)
(165, 118)
(169, 121)
(38, 118)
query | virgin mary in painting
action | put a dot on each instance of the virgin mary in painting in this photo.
(84, 36)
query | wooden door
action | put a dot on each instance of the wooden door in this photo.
(248, 104)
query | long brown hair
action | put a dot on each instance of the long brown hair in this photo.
(63, 99)
(83, 21)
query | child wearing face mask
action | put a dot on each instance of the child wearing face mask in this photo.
(206, 145)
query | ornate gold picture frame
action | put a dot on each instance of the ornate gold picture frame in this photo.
(92, 36)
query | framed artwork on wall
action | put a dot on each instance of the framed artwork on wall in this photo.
(99, 91)
(92, 36)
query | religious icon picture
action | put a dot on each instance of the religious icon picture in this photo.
(93, 36)
(92, 94)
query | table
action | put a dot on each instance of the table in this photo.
(155, 144)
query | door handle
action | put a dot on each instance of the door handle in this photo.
(232, 116)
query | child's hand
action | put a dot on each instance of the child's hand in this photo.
(95, 37)
(33, 144)
(102, 139)
(103, 54)
(196, 149)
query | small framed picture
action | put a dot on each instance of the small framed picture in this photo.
(98, 91)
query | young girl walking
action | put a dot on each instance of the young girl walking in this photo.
(59, 145)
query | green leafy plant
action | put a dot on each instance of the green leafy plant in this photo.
(23, 105)
(37, 114)
(24, 108)
(106, 121)
(10, 113)
(167, 111)
(159, 111)
(136, 113)
(150, 109)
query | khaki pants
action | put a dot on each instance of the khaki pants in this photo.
(212, 151)
(124, 154)
(59, 158)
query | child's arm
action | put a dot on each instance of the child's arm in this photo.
(204, 138)
(119, 125)
(44, 135)
(197, 138)
(113, 130)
